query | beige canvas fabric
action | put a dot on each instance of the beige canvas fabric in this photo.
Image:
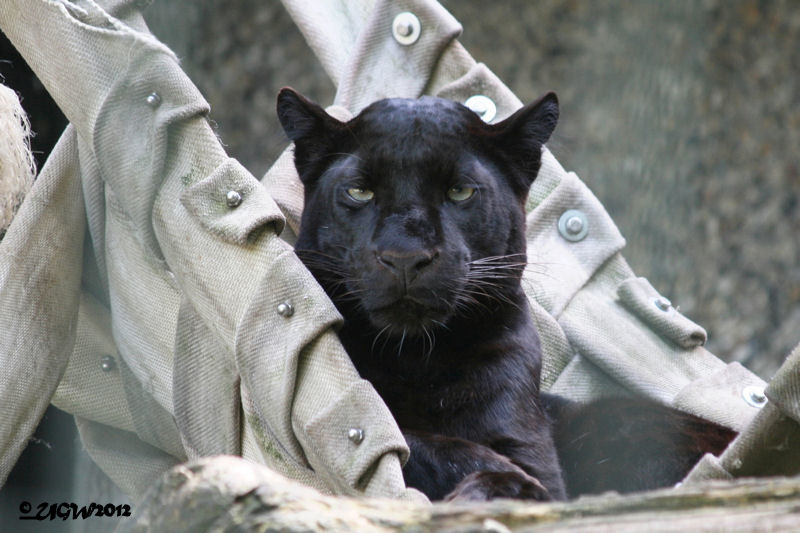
(173, 275)
(770, 444)
(176, 323)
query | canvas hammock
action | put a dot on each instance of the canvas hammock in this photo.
(133, 295)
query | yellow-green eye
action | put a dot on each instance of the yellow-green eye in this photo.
(460, 193)
(359, 194)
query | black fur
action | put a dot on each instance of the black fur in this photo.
(628, 445)
(414, 225)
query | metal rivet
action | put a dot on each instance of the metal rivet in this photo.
(406, 28)
(662, 303)
(754, 396)
(573, 225)
(483, 106)
(153, 99)
(356, 435)
(108, 363)
(233, 198)
(285, 309)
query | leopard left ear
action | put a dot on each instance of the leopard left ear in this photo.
(534, 122)
(311, 128)
(522, 135)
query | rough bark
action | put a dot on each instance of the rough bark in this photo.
(230, 494)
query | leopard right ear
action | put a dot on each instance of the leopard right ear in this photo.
(312, 130)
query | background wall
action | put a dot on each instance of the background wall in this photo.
(683, 117)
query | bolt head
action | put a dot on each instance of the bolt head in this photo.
(754, 396)
(406, 28)
(285, 309)
(108, 363)
(574, 225)
(233, 198)
(356, 435)
(153, 99)
(483, 106)
(663, 303)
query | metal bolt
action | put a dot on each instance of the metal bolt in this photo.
(285, 309)
(483, 106)
(233, 198)
(754, 396)
(406, 28)
(108, 363)
(356, 435)
(573, 225)
(153, 99)
(479, 107)
(662, 303)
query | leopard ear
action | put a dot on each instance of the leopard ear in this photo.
(312, 130)
(522, 135)
(535, 122)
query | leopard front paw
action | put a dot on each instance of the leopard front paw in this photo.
(484, 486)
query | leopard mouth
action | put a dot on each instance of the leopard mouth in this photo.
(409, 315)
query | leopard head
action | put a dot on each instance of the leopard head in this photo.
(414, 209)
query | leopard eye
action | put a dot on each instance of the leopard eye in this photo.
(460, 193)
(359, 194)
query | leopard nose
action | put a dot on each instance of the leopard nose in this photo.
(406, 264)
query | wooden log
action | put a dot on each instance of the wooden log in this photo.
(231, 494)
